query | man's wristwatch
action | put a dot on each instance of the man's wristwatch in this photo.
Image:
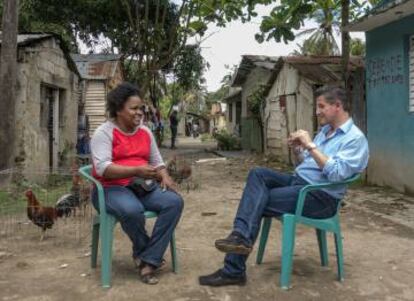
(310, 146)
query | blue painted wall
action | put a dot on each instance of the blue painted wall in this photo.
(390, 126)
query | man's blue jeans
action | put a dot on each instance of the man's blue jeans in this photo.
(271, 193)
(124, 205)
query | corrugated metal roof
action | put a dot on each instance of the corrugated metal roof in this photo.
(233, 93)
(248, 63)
(26, 39)
(384, 13)
(23, 39)
(95, 57)
(96, 66)
(319, 69)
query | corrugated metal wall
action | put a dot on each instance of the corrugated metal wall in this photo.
(95, 104)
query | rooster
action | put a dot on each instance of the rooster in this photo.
(42, 216)
(78, 196)
(178, 174)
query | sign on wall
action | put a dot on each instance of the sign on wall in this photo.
(383, 71)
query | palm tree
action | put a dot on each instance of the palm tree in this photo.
(321, 40)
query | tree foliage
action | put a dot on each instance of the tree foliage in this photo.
(291, 15)
(189, 68)
(357, 47)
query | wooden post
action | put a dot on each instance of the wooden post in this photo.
(8, 73)
(345, 48)
(55, 131)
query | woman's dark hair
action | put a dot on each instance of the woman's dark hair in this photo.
(118, 96)
(333, 94)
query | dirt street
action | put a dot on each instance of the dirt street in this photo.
(379, 260)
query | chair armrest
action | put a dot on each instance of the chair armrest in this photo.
(307, 188)
(86, 171)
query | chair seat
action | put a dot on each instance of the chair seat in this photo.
(148, 214)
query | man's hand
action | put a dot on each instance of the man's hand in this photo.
(299, 138)
(146, 172)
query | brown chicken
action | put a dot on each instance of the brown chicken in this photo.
(42, 216)
(178, 172)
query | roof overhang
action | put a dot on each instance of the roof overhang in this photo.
(26, 39)
(383, 15)
(233, 95)
(250, 62)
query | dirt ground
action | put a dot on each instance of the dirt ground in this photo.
(378, 250)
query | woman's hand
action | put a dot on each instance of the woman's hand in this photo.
(146, 172)
(165, 180)
(168, 183)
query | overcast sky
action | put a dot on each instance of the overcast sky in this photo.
(227, 45)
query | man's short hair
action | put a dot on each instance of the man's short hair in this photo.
(333, 94)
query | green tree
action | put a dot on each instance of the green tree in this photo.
(357, 47)
(321, 40)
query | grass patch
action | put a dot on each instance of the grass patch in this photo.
(13, 199)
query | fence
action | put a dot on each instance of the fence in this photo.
(32, 201)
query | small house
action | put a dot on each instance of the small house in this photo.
(100, 73)
(389, 31)
(290, 102)
(46, 103)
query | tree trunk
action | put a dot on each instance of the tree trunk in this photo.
(345, 47)
(8, 72)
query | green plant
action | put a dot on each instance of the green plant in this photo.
(205, 137)
(256, 103)
(226, 141)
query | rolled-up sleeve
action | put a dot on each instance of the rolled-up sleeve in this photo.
(352, 158)
(155, 156)
(101, 149)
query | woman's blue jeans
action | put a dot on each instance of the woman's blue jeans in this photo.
(125, 206)
(271, 193)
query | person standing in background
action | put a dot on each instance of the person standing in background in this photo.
(173, 127)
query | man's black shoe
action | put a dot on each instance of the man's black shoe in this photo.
(218, 278)
(234, 243)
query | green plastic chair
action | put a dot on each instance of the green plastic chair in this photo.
(103, 226)
(322, 226)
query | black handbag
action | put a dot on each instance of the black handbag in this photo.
(140, 187)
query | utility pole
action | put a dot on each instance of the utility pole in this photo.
(8, 73)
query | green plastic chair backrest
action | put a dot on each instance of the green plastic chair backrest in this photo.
(307, 188)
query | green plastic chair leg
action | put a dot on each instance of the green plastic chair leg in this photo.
(323, 247)
(267, 222)
(288, 245)
(339, 255)
(106, 246)
(95, 243)
(174, 253)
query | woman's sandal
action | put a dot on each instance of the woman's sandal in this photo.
(139, 264)
(148, 277)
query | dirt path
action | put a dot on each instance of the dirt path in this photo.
(379, 260)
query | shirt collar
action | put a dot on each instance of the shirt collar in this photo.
(345, 128)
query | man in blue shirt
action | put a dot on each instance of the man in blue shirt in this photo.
(338, 151)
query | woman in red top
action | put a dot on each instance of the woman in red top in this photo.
(124, 150)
